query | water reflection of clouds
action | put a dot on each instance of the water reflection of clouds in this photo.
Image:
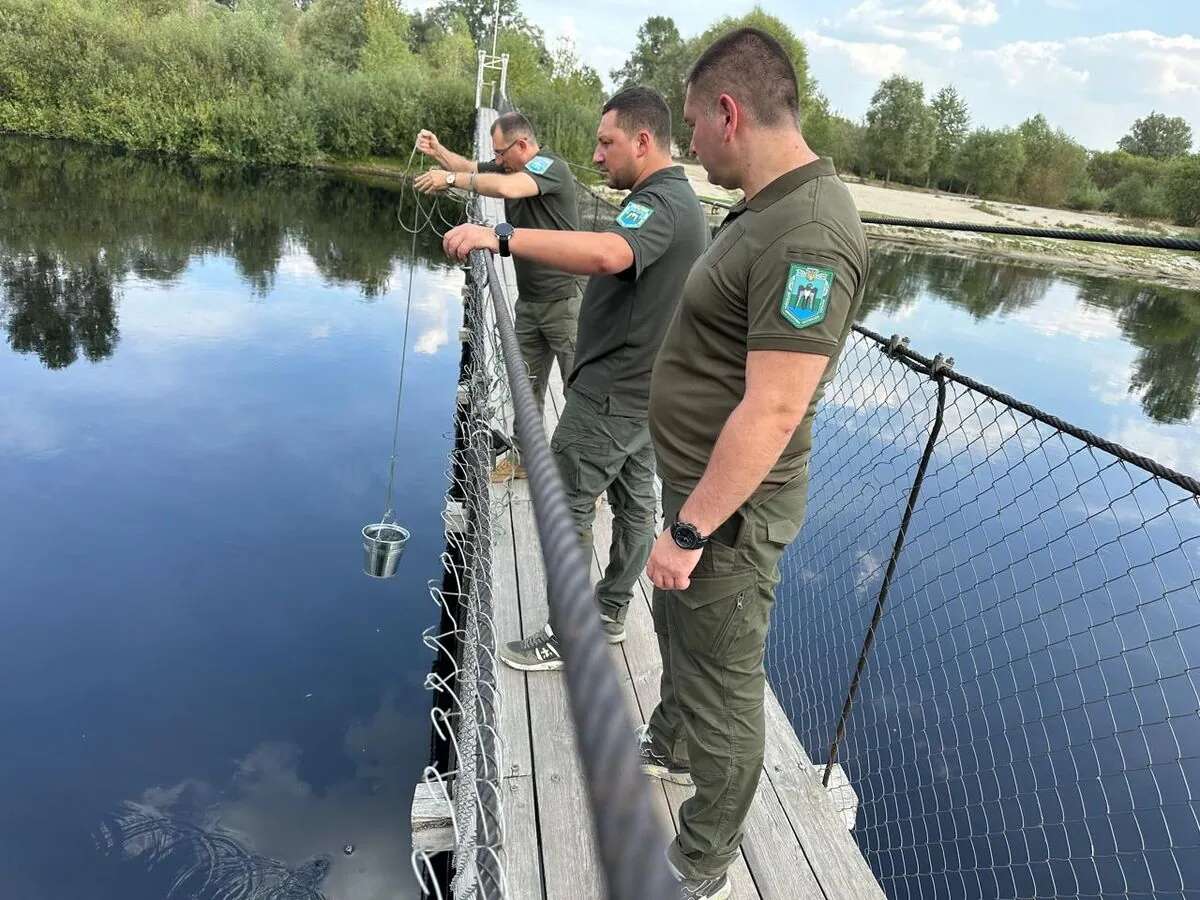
(26, 429)
(1061, 313)
(272, 811)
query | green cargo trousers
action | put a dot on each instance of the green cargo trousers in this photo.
(597, 453)
(712, 638)
(545, 332)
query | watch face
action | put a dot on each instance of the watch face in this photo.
(686, 536)
(504, 230)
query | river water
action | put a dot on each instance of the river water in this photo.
(199, 374)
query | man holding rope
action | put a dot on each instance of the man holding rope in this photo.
(538, 191)
(764, 315)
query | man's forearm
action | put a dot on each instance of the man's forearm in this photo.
(577, 252)
(452, 162)
(749, 445)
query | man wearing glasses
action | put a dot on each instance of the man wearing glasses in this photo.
(538, 191)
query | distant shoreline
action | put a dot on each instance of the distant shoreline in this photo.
(1165, 267)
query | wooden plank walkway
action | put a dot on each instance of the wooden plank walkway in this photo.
(797, 845)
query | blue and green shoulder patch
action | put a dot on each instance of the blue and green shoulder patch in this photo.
(806, 296)
(634, 216)
(539, 164)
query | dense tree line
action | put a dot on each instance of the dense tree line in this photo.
(301, 81)
(906, 138)
(274, 81)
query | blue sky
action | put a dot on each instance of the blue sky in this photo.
(1091, 66)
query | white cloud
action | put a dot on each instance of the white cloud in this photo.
(972, 12)
(1034, 62)
(1159, 64)
(867, 58)
(941, 37)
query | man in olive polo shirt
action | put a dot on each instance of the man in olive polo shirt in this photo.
(765, 313)
(637, 265)
(538, 190)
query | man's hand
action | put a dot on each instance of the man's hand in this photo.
(670, 567)
(431, 182)
(427, 143)
(460, 241)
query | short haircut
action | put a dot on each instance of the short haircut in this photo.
(641, 107)
(754, 69)
(513, 125)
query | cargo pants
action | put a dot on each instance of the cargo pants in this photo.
(546, 331)
(712, 638)
(599, 452)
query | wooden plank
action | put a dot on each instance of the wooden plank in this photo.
(571, 868)
(432, 817)
(522, 859)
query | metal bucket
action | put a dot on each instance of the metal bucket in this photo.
(383, 545)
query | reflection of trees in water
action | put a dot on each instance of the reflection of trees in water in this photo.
(1162, 323)
(56, 311)
(982, 288)
(79, 220)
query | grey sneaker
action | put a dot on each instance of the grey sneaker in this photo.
(656, 764)
(613, 630)
(537, 653)
(701, 888)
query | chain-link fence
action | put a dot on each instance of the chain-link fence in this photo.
(466, 773)
(1027, 723)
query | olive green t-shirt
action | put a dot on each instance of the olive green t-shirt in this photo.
(623, 317)
(554, 208)
(786, 271)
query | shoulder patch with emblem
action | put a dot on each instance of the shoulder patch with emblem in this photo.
(634, 215)
(806, 297)
(539, 164)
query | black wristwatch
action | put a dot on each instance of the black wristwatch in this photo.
(504, 231)
(687, 536)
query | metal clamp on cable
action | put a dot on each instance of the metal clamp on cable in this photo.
(895, 342)
(940, 365)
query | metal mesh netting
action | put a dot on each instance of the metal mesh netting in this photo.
(466, 709)
(1028, 722)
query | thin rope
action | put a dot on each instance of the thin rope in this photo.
(412, 265)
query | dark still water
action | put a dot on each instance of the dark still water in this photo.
(198, 378)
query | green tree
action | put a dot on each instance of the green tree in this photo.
(1110, 168)
(1158, 136)
(1054, 163)
(900, 130)
(334, 32)
(1183, 190)
(832, 135)
(990, 162)
(657, 57)
(387, 36)
(478, 14)
(952, 120)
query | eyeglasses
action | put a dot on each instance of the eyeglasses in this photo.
(499, 153)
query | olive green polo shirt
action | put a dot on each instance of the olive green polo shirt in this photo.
(554, 208)
(786, 271)
(623, 317)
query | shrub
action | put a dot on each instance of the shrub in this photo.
(1136, 197)
(1182, 190)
